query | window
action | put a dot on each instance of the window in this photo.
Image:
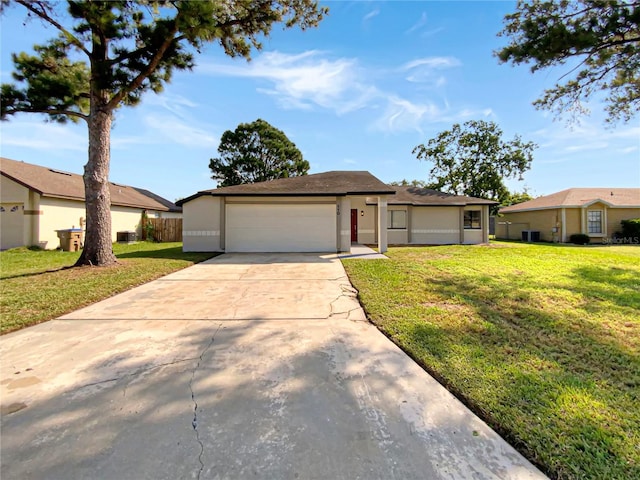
(472, 219)
(594, 221)
(397, 219)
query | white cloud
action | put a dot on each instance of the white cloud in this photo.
(628, 149)
(44, 136)
(418, 25)
(177, 131)
(433, 63)
(304, 80)
(350, 161)
(176, 104)
(311, 80)
(571, 142)
(402, 114)
(370, 15)
(424, 70)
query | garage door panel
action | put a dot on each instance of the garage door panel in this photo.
(11, 225)
(280, 228)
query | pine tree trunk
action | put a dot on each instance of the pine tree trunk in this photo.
(98, 248)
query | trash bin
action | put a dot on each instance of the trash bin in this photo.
(126, 237)
(70, 239)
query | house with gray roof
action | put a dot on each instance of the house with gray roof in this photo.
(37, 201)
(328, 212)
(596, 212)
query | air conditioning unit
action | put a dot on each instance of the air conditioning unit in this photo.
(530, 235)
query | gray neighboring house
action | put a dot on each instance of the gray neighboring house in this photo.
(327, 212)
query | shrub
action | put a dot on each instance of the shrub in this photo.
(631, 227)
(580, 239)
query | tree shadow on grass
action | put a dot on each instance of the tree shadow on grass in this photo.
(618, 284)
(170, 253)
(564, 373)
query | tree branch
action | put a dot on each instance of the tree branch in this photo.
(139, 51)
(48, 111)
(151, 67)
(44, 16)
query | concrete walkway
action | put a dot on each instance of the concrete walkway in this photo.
(362, 252)
(245, 366)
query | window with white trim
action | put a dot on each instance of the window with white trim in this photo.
(397, 219)
(472, 219)
(594, 221)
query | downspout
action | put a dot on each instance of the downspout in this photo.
(563, 225)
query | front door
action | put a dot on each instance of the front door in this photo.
(354, 225)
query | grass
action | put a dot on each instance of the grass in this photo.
(542, 341)
(36, 286)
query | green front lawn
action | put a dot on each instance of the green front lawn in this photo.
(35, 286)
(542, 341)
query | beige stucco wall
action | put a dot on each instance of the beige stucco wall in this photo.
(57, 214)
(367, 230)
(575, 222)
(541, 220)
(170, 214)
(12, 192)
(616, 215)
(202, 225)
(475, 236)
(435, 225)
(398, 236)
(126, 219)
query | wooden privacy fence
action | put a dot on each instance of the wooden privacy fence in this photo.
(163, 230)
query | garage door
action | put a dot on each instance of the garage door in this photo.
(11, 225)
(280, 228)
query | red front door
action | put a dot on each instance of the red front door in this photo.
(354, 225)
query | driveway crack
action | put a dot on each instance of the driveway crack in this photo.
(194, 422)
(347, 292)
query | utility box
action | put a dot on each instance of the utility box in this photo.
(70, 239)
(530, 236)
(126, 237)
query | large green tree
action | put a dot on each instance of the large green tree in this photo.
(256, 152)
(597, 40)
(472, 159)
(108, 53)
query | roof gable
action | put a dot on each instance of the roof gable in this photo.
(49, 182)
(580, 197)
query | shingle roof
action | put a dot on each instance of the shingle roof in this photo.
(406, 195)
(167, 203)
(49, 182)
(578, 197)
(335, 183)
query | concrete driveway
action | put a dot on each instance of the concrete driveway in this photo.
(245, 366)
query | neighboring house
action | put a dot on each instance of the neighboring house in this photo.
(36, 201)
(327, 212)
(596, 212)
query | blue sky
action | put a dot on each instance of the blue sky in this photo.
(359, 92)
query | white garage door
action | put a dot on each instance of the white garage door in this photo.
(280, 228)
(11, 225)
